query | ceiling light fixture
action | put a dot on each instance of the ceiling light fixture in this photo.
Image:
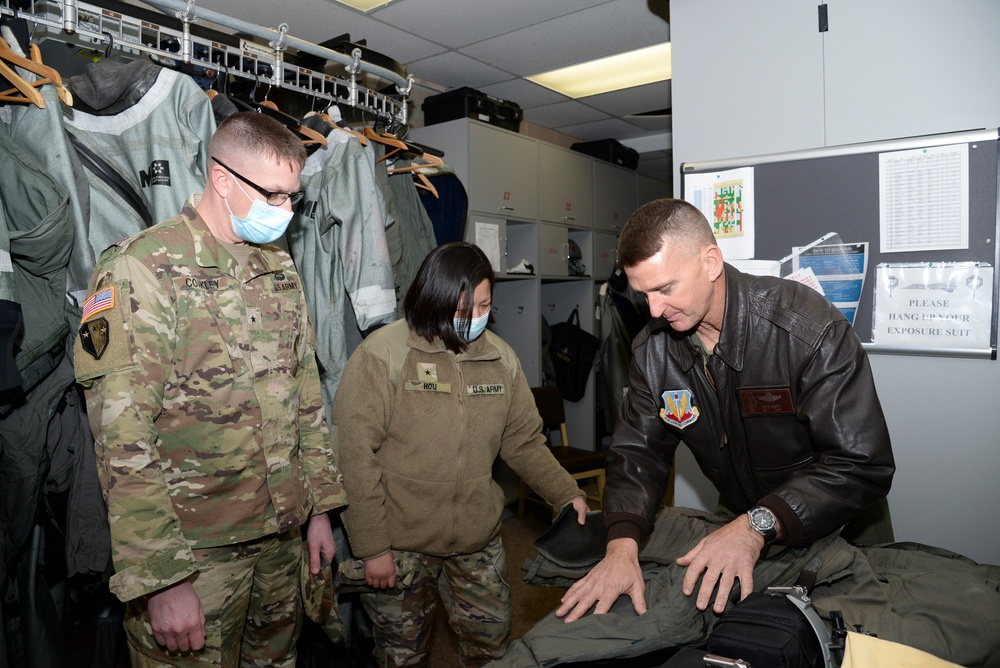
(624, 70)
(364, 5)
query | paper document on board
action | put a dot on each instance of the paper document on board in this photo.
(924, 199)
(840, 269)
(726, 199)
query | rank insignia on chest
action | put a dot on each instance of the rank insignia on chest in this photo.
(678, 408)
(427, 381)
(427, 372)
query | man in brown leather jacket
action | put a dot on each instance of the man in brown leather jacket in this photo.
(767, 384)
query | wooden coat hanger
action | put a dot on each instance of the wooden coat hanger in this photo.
(343, 126)
(266, 102)
(310, 136)
(422, 161)
(387, 139)
(28, 93)
(29, 90)
(424, 183)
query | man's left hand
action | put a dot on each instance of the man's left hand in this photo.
(320, 537)
(721, 558)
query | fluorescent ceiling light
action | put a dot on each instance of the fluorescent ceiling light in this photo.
(624, 70)
(364, 5)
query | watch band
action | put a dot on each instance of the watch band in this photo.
(764, 522)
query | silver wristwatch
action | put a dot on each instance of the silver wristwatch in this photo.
(764, 522)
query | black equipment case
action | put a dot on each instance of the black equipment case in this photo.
(609, 150)
(468, 102)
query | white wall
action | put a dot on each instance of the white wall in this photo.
(752, 78)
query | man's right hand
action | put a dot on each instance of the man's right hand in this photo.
(380, 571)
(618, 573)
(176, 618)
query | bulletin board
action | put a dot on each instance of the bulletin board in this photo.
(800, 196)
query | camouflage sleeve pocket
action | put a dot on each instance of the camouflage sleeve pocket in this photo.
(103, 341)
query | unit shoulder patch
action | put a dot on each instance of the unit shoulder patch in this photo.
(678, 408)
(103, 338)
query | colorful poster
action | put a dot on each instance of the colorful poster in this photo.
(726, 199)
(840, 270)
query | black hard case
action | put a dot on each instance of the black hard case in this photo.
(468, 102)
(609, 150)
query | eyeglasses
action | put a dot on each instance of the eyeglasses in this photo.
(273, 198)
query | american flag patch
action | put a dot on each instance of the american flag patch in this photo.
(99, 301)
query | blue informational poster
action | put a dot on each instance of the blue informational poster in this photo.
(840, 271)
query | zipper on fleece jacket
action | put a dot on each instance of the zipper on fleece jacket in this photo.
(460, 390)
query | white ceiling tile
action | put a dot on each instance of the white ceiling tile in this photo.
(613, 27)
(317, 21)
(455, 24)
(651, 97)
(453, 70)
(525, 93)
(563, 114)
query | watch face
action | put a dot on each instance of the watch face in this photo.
(762, 519)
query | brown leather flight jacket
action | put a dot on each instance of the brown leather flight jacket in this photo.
(783, 414)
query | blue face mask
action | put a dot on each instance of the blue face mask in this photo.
(263, 223)
(475, 330)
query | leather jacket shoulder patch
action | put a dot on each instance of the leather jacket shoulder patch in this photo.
(678, 408)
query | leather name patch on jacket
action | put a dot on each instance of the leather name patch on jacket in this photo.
(766, 401)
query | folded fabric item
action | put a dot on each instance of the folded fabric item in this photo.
(919, 596)
(351, 577)
(318, 599)
(571, 544)
(865, 651)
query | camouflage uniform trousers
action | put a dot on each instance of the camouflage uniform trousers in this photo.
(250, 597)
(475, 591)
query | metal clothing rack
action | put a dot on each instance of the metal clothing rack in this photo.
(263, 63)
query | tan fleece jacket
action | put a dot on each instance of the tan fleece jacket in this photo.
(419, 429)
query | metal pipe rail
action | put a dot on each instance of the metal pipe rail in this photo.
(103, 25)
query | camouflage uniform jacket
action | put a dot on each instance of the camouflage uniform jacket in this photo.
(420, 429)
(203, 394)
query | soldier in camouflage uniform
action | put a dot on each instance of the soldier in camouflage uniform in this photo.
(425, 407)
(197, 357)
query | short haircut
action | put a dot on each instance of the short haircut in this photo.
(656, 222)
(255, 136)
(445, 283)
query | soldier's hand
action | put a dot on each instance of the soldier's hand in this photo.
(581, 508)
(380, 571)
(176, 618)
(320, 538)
(618, 573)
